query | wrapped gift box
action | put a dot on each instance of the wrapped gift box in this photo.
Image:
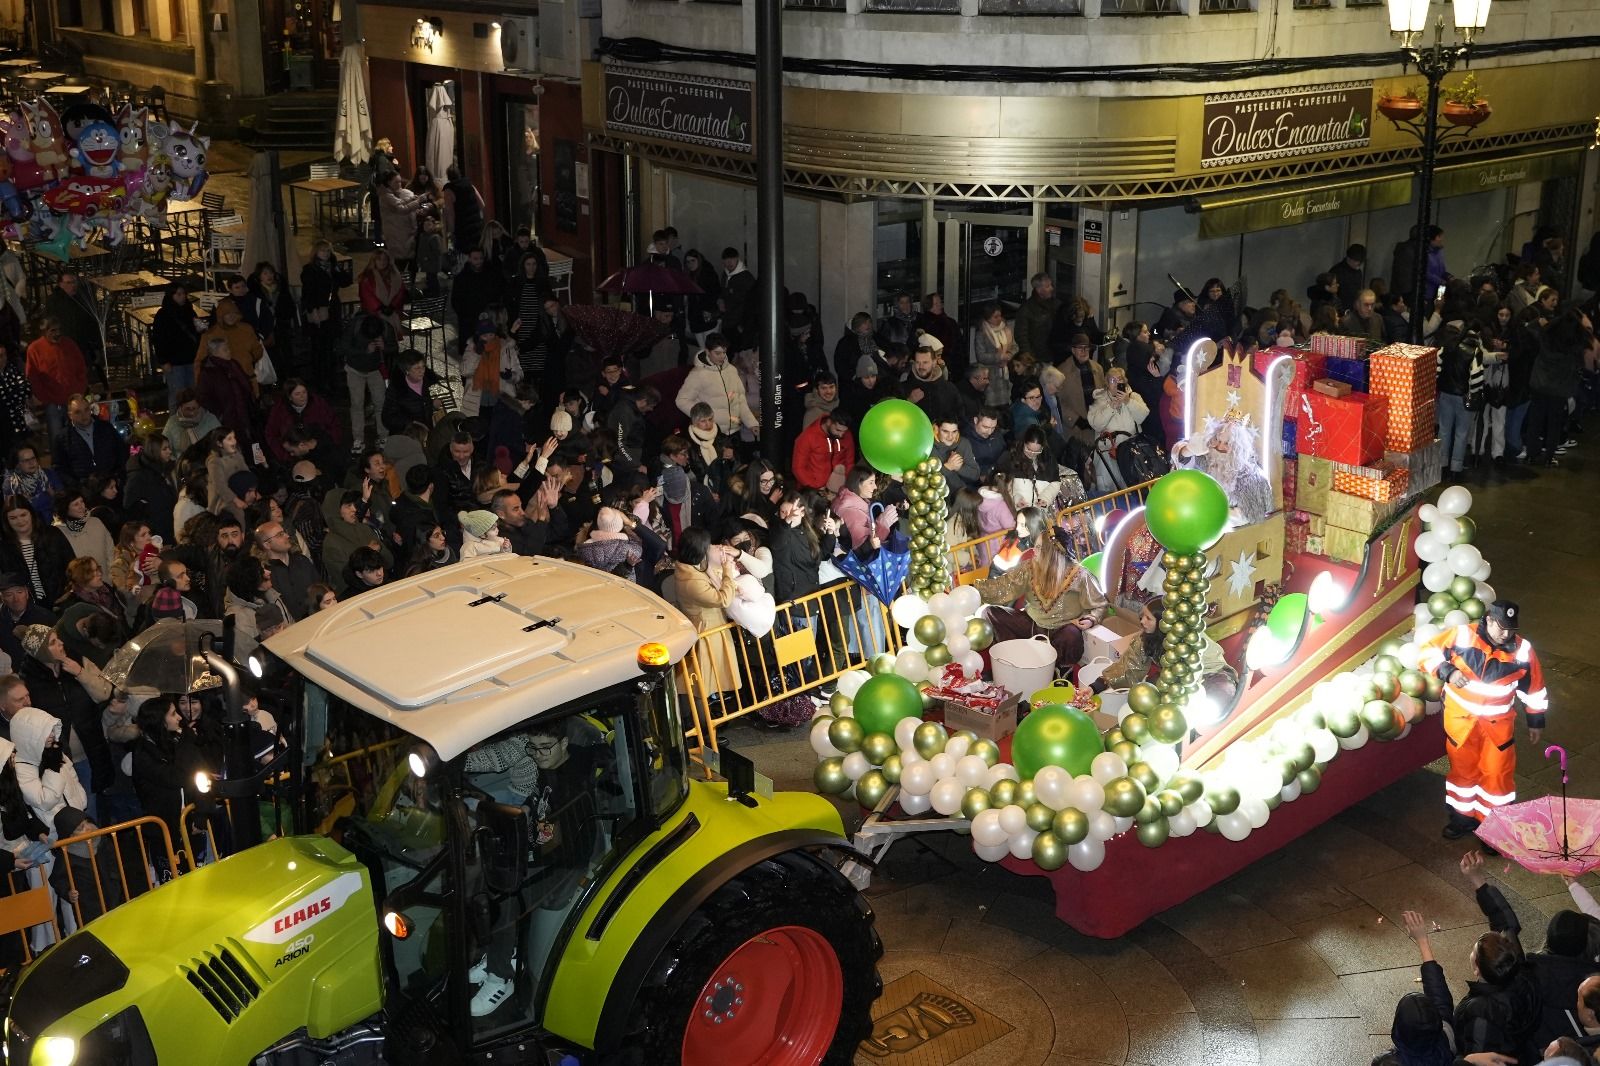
(1289, 449)
(1424, 465)
(1353, 372)
(1295, 533)
(1345, 545)
(1411, 432)
(1357, 513)
(1347, 429)
(1313, 479)
(1317, 544)
(1307, 367)
(1111, 637)
(1291, 477)
(1407, 375)
(1332, 387)
(1384, 481)
(1340, 346)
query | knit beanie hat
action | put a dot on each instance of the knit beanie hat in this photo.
(167, 603)
(242, 482)
(35, 640)
(867, 367)
(1567, 934)
(479, 523)
(561, 422)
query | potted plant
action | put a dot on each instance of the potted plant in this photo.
(1462, 106)
(1402, 106)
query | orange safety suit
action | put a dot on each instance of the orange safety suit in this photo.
(1480, 713)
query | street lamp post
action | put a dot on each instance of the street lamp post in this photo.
(1408, 20)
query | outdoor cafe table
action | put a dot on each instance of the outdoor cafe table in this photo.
(320, 190)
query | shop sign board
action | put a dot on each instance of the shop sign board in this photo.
(1464, 179)
(712, 112)
(1248, 214)
(1247, 127)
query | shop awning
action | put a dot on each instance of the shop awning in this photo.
(1462, 179)
(1231, 214)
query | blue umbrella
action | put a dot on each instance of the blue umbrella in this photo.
(883, 571)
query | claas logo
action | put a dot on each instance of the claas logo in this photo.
(300, 915)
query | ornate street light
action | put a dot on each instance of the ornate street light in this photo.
(1408, 20)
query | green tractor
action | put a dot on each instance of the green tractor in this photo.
(539, 879)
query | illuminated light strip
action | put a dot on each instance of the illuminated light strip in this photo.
(1189, 376)
(1271, 428)
(1110, 545)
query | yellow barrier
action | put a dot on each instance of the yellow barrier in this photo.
(729, 673)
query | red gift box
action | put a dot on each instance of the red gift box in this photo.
(1344, 429)
(1307, 367)
(1295, 535)
(1291, 482)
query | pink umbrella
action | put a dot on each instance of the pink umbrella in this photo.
(651, 278)
(1548, 835)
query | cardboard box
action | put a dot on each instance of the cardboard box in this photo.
(1424, 465)
(1332, 387)
(1357, 513)
(1346, 545)
(1110, 638)
(1382, 482)
(1313, 479)
(1348, 429)
(996, 726)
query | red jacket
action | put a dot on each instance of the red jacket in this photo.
(816, 454)
(318, 418)
(56, 371)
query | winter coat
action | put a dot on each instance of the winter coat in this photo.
(473, 292)
(1107, 417)
(105, 454)
(625, 428)
(150, 495)
(56, 370)
(1500, 1018)
(93, 541)
(816, 454)
(51, 554)
(968, 476)
(47, 791)
(739, 317)
(319, 289)
(939, 401)
(160, 780)
(995, 352)
(816, 407)
(1032, 327)
(704, 604)
(227, 392)
(493, 544)
(855, 514)
(722, 388)
(398, 212)
(317, 419)
(243, 344)
(1555, 372)
(794, 569)
(174, 335)
(985, 450)
(246, 632)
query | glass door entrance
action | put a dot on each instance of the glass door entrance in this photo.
(983, 260)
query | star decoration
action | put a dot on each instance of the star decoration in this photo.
(1242, 573)
(1233, 399)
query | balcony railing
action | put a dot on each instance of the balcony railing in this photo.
(1030, 7)
(1140, 7)
(913, 7)
(814, 5)
(1224, 7)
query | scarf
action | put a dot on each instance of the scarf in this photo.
(706, 442)
(384, 286)
(999, 336)
(73, 525)
(487, 377)
(100, 597)
(867, 343)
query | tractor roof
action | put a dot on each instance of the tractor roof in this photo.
(459, 654)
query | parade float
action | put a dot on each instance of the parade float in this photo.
(1290, 542)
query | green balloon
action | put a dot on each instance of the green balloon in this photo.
(1186, 510)
(878, 747)
(1027, 795)
(871, 788)
(1377, 714)
(846, 734)
(1391, 646)
(883, 701)
(1070, 825)
(1413, 683)
(1055, 736)
(882, 663)
(839, 703)
(1189, 788)
(1386, 664)
(1343, 722)
(1135, 727)
(1149, 812)
(895, 436)
(985, 749)
(1288, 616)
(1310, 780)
(929, 630)
(1434, 692)
(1094, 563)
(1274, 801)
(1125, 750)
(1145, 774)
(929, 738)
(1154, 834)
(1040, 817)
(1171, 802)
(1048, 852)
(975, 802)
(1304, 757)
(829, 776)
(1003, 794)
(1469, 530)
(1168, 724)
(1441, 604)
(1223, 800)
(1058, 692)
(1474, 608)
(938, 655)
(1143, 698)
(1124, 797)
(1462, 587)
(925, 694)
(891, 769)
(1388, 685)
(980, 633)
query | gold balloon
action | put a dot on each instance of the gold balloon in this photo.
(925, 690)
(1124, 797)
(929, 630)
(975, 802)
(1145, 774)
(1135, 727)
(1040, 817)
(1168, 724)
(1171, 801)
(878, 747)
(929, 739)
(1003, 794)
(1154, 834)
(1070, 825)
(891, 769)
(846, 734)
(1143, 698)
(871, 788)
(829, 776)
(965, 734)
(1026, 796)
(1149, 812)
(839, 703)
(1113, 737)
(1048, 852)
(1189, 788)
(980, 633)
(882, 663)
(1128, 750)
(987, 750)
(938, 655)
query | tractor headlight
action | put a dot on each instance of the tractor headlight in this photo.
(55, 1051)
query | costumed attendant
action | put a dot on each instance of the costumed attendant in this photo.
(1142, 660)
(1059, 598)
(1016, 547)
(1487, 670)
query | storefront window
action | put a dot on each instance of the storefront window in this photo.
(899, 251)
(522, 163)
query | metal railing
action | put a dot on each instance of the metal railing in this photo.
(1141, 7)
(1030, 7)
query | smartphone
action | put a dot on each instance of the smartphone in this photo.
(259, 455)
(1440, 294)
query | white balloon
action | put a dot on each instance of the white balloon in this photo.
(939, 602)
(916, 779)
(913, 644)
(1428, 513)
(1050, 784)
(1289, 793)
(957, 747)
(1456, 618)
(1234, 826)
(1421, 615)
(1256, 811)
(1455, 500)
(1425, 632)
(1087, 854)
(943, 765)
(1002, 771)
(1465, 558)
(1324, 745)
(959, 644)
(967, 598)
(1181, 824)
(1430, 549)
(1107, 766)
(972, 771)
(850, 682)
(1482, 572)
(1409, 655)
(946, 795)
(856, 764)
(971, 664)
(819, 739)
(1447, 529)
(1013, 819)
(1086, 794)
(903, 731)
(1122, 825)
(954, 619)
(911, 665)
(1162, 758)
(1436, 577)
(1102, 826)
(907, 609)
(1201, 812)
(914, 805)
(1485, 592)
(1022, 843)
(987, 830)
(990, 853)
(1356, 739)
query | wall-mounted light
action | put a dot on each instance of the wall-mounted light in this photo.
(494, 25)
(219, 16)
(426, 32)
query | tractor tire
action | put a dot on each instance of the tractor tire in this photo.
(779, 967)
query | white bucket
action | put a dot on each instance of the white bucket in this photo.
(1024, 666)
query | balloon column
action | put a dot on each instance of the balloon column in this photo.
(896, 438)
(1454, 571)
(68, 176)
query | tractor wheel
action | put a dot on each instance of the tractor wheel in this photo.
(777, 968)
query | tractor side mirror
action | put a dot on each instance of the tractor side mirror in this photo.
(503, 846)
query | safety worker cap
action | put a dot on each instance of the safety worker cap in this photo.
(1506, 613)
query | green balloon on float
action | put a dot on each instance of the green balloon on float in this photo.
(1388, 685)
(929, 739)
(1304, 757)
(1048, 852)
(1171, 802)
(1223, 800)
(967, 735)
(975, 802)
(1186, 510)
(1149, 812)
(891, 769)
(929, 630)
(1391, 646)
(883, 701)
(1434, 692)
(938, 655)
(1274, 801)
(1027, 795)
(987, 750)
(1039, 816)
(1474, 608)
(1145, 774)
(1113, 737)
(925, 694)
(1343, 722)
(1168, 724)
(846, 734)
(829, 776)
(895, 436)
(1310, 780)
(878, 747)
(1441, 604)
(1053, 735)
(1135, 727)
(839, 703)
(1124, 797)
(871, 788)
(1368, 690)
(882, 663)
(980, 633)
(1070, 826)
(1169, 562)
(1469, 530)
(1377, 715)
(1154, 834)
(1386, 664)
(1288, 616)
(1413, 683)
(1462, 587)
(1003, 793)
(1094, 563)
(1189, 788)
(1126, 750)
(1143, 698)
